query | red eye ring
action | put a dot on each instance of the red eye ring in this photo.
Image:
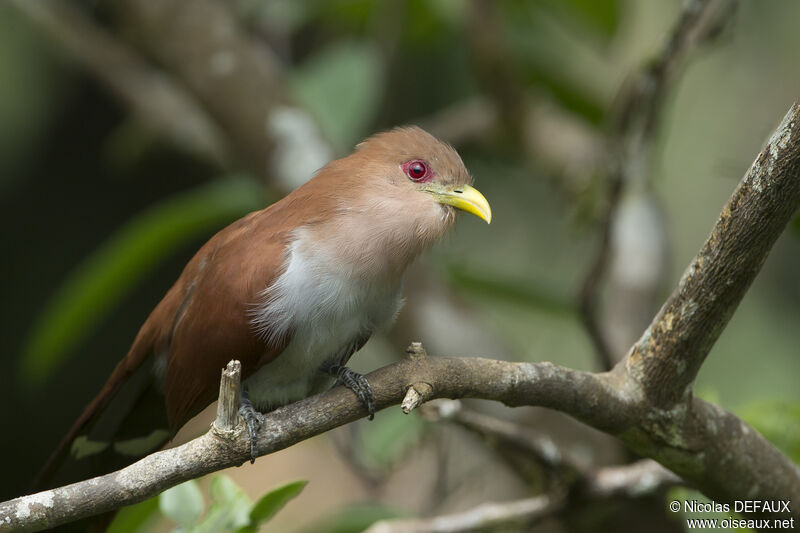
(417, 170)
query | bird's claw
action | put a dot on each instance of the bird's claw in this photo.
(359, 385)
(254, 421)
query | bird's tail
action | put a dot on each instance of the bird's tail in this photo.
(123, 423)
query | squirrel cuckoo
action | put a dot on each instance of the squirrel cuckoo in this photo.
(292, 291)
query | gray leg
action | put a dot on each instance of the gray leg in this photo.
(254, 421)
(356, 383)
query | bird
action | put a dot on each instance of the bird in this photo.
(292, 291)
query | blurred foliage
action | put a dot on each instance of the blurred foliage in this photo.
(522, 292)
(778, 421)
(353, 518)
(602, 16)
(230, 509)
(274, 501)
(341, 87)
(391, 435)
(135, 518)
(796, 226)
(29, 94)
(101, 280)
(529, 36)
(182, 504)
(682, 494)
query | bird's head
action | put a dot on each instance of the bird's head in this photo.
(426, 169)
(394, 196)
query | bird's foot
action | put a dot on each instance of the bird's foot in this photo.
(254, 421)
(356, 383)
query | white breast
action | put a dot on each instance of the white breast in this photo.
(325, 307)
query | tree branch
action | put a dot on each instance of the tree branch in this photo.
(669, 354)
(588, 396)
(600, 400)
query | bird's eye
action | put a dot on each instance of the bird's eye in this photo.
(417, 170)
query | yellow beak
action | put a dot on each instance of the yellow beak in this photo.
(462, 197)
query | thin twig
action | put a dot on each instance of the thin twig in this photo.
(634, 126)
(589, 295)
(485, 516)
(636, 480)
(228, 403)
(507, 434)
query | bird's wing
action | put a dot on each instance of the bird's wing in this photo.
(223, 283)
(215, 324)
(172, 369)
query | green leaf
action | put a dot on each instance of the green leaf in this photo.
(182, 503)
(795, 226)
(547, 60)
(219, 518)
(709, 394)
(135, 518)
(224, 490)
(353, 518)
(341, 86)
(568, 94)
(348, 14)
(225, 493)
(390, 434)
(602, 16)
(272, 502)
(106, 276)
(29, 93)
